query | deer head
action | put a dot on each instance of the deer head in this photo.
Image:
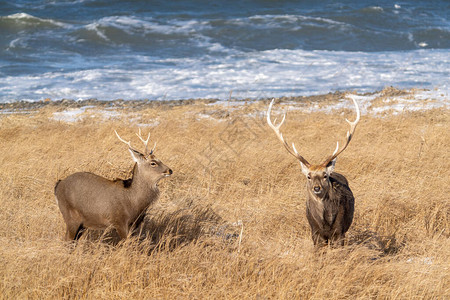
(318, 176)
(147, 163)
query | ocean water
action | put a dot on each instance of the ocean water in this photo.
(136, 49)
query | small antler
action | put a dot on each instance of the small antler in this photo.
(276, 129)
(142, 139)
(349, 135)
(146, 142)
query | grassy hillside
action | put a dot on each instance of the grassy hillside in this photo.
(230, 222)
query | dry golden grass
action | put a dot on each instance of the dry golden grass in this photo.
(229, 167)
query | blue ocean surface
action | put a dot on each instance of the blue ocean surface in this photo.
(158, 50)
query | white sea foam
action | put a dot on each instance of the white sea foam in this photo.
(133, 25)
(19, 16)
(95, 28)
(25, 18)
(286, 21)
(375, 8)
(17, 43)
(263, 74)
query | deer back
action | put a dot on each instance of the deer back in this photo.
(97, 200)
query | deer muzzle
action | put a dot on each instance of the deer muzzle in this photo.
(317, 189)
(168, 173)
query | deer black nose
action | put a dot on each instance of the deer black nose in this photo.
(168, 172)
(317, 189)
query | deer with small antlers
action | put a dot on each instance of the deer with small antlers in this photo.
(87, 200)
(330, 202)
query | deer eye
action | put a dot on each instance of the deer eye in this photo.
(153, 164)
(309, 176)
(325, 176)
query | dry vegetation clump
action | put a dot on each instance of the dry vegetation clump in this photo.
(230, 222)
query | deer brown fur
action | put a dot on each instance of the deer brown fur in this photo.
(330, 202)
(87, 200)
(330, 210)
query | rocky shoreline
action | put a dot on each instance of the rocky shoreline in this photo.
(137, 104)
(388, 96)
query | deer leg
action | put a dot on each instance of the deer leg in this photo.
(318, 239)
(135, 225)
(338, 239)
(74, 231)
(122, 230)
(80, 231)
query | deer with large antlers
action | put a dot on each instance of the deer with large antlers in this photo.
(330, 202)
(87, 200)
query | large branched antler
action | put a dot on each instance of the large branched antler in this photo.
(349, 135)
(276, 129)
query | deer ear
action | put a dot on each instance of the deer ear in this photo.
(305, 169)
(330, 166)
(137, 156)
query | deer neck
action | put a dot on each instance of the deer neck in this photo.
(323, 208)
(320, 205)
(142, 191)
